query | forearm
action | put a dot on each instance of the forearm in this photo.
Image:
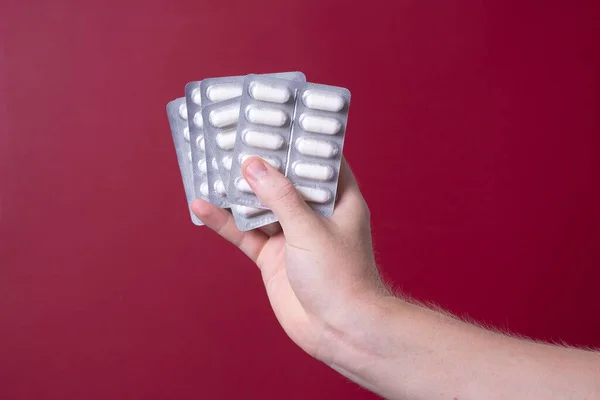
(405, 351)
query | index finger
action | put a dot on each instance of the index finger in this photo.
(221, 221)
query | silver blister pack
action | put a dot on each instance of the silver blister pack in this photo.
(219, 134)
(318, 135)
(178, 115)
(193, 102)
(248, 218)
(265, 126)
(219, 94)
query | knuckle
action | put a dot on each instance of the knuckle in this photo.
(365, 212)
(285, 194)
(362, 209)
(221, 228)
(363, 220)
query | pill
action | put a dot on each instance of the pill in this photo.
(183, 111)
(189, 156)
(265, 140)
(226, 140)
(320, 100)
(220, 188)
(316, 148)
(223, 91)
(186, 133)
(200, 143)
(198, 120)
(267, 92)
(227, 161)
(249, 211)
(196, 98)
(313, 171)
(224, 116)
(243, 186)
(204, 189)
(326, 125)
(266, 116)
(214, 164)
(274, 162)
(314, 195)
(202, 166)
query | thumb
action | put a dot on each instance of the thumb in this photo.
(279, 194)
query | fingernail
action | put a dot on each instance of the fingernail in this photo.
(256, 169)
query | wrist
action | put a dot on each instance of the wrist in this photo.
(360, 334)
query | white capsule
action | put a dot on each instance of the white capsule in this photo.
(227, 161)
(316, 148)
(243, 186)
(321, 100)
(249, 211)
(196, 98)
(264, 140)
(186, 133)
(200, 143)
(313, 171)
(274, 162)
(214, 164)
(326, 125)
(204, 189)
(224, 116)
(313, 194)
(202, 166)
(266, 116)
(226, 140)
(198, 122)
(189, 156)
(223, 91)
(220, 188)
(183, 111)
(268, 92)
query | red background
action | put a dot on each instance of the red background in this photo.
(473, 131)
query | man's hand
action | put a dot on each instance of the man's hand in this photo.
(318, 270)
(324, 287)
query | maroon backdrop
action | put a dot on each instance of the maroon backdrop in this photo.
(473, 131)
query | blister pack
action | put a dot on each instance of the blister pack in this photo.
(220, 131)
(267, 109)
(248, 218)
(193, 103)
(220, 97)
(300, 126)
(297, 127)
(177, 114)
(318, 135)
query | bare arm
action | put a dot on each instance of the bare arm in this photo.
(405, 351)
(323, 285)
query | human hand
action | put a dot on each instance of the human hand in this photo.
(323, 285)
(319, 271)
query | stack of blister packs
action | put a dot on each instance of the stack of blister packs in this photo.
(295, 126)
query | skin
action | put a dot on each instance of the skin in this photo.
(323, 285)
